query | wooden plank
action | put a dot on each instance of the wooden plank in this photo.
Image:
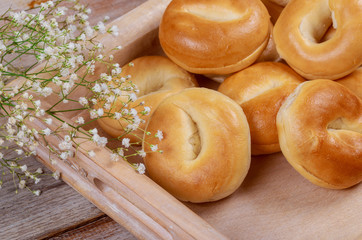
(103, 228)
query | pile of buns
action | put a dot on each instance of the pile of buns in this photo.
(290, 81)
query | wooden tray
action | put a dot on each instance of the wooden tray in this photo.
(274, 201)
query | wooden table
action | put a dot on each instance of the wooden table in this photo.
(59, 212)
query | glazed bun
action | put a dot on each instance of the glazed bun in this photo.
(214, 36)
(302, 23)
(156, 78)
(320, 133)
(260, 90)
(206, 145)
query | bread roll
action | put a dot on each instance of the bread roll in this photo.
(156, 78)
(260, 90)
(206, 145)
(214, 36)
(320, 133)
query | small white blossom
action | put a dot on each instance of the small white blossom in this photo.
(154, 147)
(36, 180)
(83, 101)
(48, 121)
(65, 125)
(159, 135)
(91, 153)
(125, 142)
(142, 153)
(132, 97)
(97, 88)
(114, 30)
(24, 168)
(37, 192)
(64, 145)
(19, 151)
(47, 132)
(117, 115)
(146, 110)
(141, 169)
(80, 120)
(100, 27)
(56, 175)
(115, 157)
(22, 184)
(100, 112)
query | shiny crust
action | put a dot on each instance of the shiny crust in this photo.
(260, 90)
(299, 27)
(353, 82)
(213, 37)
(156, 78)
(206, 145)
(320, 133)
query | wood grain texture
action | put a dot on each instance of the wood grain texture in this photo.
(102, 228)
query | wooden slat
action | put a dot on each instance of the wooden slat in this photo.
(103, 228)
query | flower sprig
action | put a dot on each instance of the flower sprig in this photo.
(58, 82)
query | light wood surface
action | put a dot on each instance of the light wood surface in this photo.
(274, 202)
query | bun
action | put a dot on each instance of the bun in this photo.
(320, 133)
(214, 37)
(260, 90)
(206, 145)
(156, 78)
(300, 26)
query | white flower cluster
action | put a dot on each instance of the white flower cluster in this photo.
(62, 40)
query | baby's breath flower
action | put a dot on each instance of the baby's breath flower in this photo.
(48, 121)
(142, 153)
(22, 184)
(159, 135)
(141, 169)
(24, 168)
(114, 30)
(37, 192)
(47, 132)
(63, 39)
(154, 147)
(83, 101)
(100, 27)
(126, 142)
(80, 120)
(91, 153)
(56, 175)
(115, 157)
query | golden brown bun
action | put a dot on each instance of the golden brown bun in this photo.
(260, 90)
(302, 23)
(214, 37)
(353, 82)
(320, 133)
(156, 78)
(206, 145)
